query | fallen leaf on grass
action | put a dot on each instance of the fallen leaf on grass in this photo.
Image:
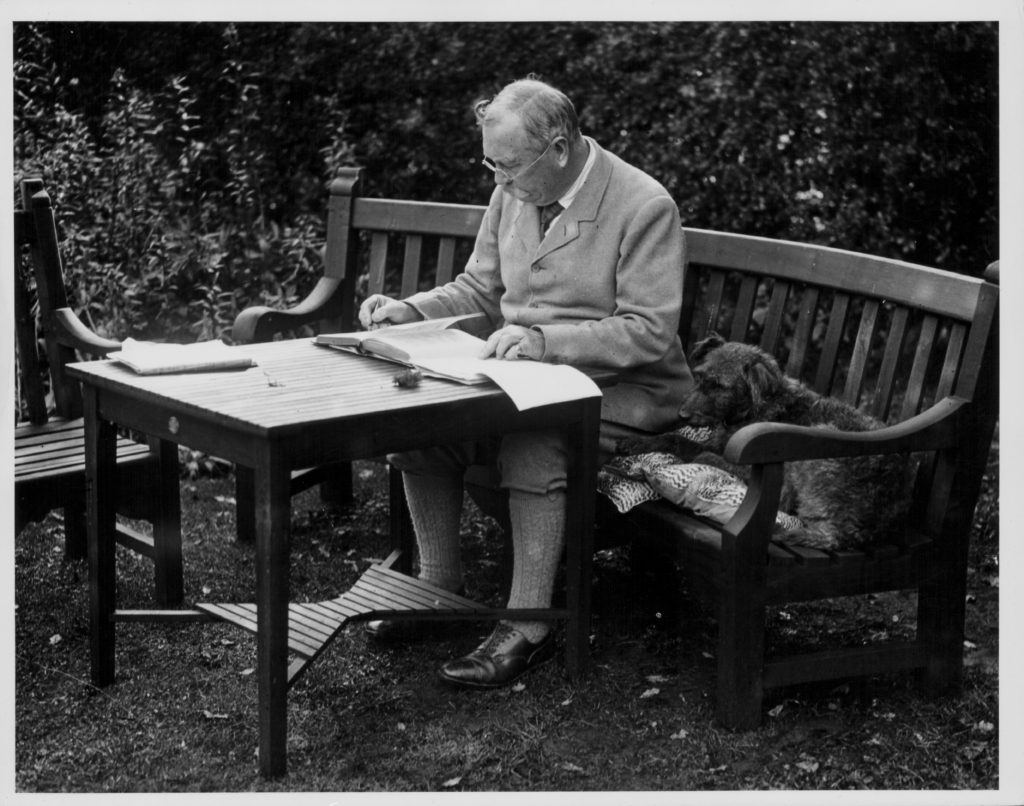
(651, 692)
(807, 766)
(246, 672)
(519, 687)
(452, 782)
(656, 678)
(568, 766)
(55, 639)
(985, 727)
(682, 734)
(212, 715)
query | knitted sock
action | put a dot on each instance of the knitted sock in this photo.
(435, 504)
(538, 535)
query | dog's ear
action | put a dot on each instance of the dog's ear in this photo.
(764, 380)
(705, 346)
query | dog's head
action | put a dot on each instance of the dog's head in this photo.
(733, 383)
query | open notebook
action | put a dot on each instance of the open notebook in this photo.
(439, 349)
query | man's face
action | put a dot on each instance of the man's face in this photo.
(528, 174)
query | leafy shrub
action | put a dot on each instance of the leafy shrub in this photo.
(189, 161)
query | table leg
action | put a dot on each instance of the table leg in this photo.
(167, 530)
(101, 505)
(580, 535)
(272, 525)
(245, 504)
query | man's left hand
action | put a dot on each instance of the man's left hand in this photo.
(514, 341)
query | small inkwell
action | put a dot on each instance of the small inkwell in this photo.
(407, 379)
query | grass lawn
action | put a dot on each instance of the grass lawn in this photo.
(182, 715)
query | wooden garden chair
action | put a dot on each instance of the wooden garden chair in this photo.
(49, 462)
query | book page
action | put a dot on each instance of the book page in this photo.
(533, 383)
(417, 346)
(356, 338)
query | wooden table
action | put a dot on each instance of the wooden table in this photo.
(303, 406)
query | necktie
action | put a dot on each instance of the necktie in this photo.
(549, 213)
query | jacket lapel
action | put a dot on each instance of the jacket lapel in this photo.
(583, 208)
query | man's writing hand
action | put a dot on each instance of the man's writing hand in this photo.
(381, 311)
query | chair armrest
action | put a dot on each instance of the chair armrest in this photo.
(763, 443)
(72, 332)
(259, 323)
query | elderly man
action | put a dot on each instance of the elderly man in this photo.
(578, 260)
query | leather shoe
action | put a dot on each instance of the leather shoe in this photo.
(503, 658)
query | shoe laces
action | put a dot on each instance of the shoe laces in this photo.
(502, 633)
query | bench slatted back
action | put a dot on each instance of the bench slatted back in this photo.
(853, 326)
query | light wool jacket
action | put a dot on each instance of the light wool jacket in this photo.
(604, 286)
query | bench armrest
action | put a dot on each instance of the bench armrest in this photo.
(767, 446)
(72, 332)
(259, 323)
(763, 443)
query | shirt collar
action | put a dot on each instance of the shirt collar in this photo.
(574, 190)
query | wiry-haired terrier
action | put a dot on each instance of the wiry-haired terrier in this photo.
(843, 503)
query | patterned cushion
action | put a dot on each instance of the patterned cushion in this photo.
(705, 490)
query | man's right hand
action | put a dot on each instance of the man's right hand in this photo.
(380, 311)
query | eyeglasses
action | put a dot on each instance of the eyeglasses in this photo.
(504, 175)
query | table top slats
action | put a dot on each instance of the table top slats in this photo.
(294, 382)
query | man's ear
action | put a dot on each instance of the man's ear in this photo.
(705, 346)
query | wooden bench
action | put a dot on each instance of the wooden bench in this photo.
(917, 346)
(49, 459)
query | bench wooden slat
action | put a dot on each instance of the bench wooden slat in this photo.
(425, 218)
(951, 364)
(712, 304)
(890, 361)
(922, 355)
(776, 311)
(745, 299)
(833, 341)
(411, 266)
(802, 332)
(861, 350)
(378, 263)
(445, 260)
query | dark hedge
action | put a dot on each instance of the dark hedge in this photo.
(190, 160)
